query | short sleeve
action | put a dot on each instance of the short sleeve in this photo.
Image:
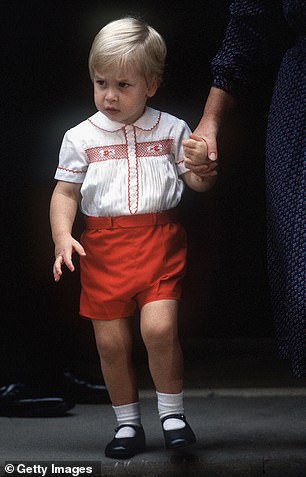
(72, 166)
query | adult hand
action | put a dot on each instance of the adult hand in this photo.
(217, 105)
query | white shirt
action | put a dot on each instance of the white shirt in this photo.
(125, 169)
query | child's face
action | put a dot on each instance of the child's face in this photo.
(122, 95)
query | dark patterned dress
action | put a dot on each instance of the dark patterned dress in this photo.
(242, 55)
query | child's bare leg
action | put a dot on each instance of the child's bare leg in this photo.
(160, 335)
(159, 331)
(114, 343)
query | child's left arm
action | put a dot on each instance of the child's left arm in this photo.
(195, 151)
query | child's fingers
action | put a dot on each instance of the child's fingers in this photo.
(196, 152)
(68, 262)
(57, 268)
(197, 138)
(190, 143)
(63, 258)
(79, 249)
(210, 141)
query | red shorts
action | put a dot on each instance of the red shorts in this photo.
(130, 261)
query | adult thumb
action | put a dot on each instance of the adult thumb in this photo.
(212, 148)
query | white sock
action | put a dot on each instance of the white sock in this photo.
(170, 404)
(127, 414)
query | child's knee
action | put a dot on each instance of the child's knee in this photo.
(159, 335)
(113, 338)
(109, 347)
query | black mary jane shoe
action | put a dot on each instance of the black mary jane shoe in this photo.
(178, 437)
(126, 447)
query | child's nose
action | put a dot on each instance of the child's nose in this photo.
(111, 95)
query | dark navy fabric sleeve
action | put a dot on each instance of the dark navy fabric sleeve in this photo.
(246, 45)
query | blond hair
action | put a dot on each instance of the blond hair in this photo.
(129, 41)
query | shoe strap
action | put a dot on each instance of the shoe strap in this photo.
(174, 416)
(133, 426)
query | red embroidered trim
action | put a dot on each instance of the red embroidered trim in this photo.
(106, 130)
(70, 170)
(106, 153)
(154, 148)
(138, 127)
(154, 125)
(129, 177)
(120, 151)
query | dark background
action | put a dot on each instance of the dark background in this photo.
(46, 91)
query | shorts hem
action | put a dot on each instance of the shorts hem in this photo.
(159, 298)
(105, 317)
(141, 305)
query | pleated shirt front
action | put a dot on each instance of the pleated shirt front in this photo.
(125, 169)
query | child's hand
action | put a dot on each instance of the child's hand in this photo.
(63, 255)
(196, 157)
(195, 149)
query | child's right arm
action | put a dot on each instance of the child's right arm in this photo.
(63, 209)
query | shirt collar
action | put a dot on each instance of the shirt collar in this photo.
(146, 122)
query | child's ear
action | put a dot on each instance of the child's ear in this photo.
(152, 88)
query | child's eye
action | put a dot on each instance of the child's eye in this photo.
(123, 84)
(100, 82)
